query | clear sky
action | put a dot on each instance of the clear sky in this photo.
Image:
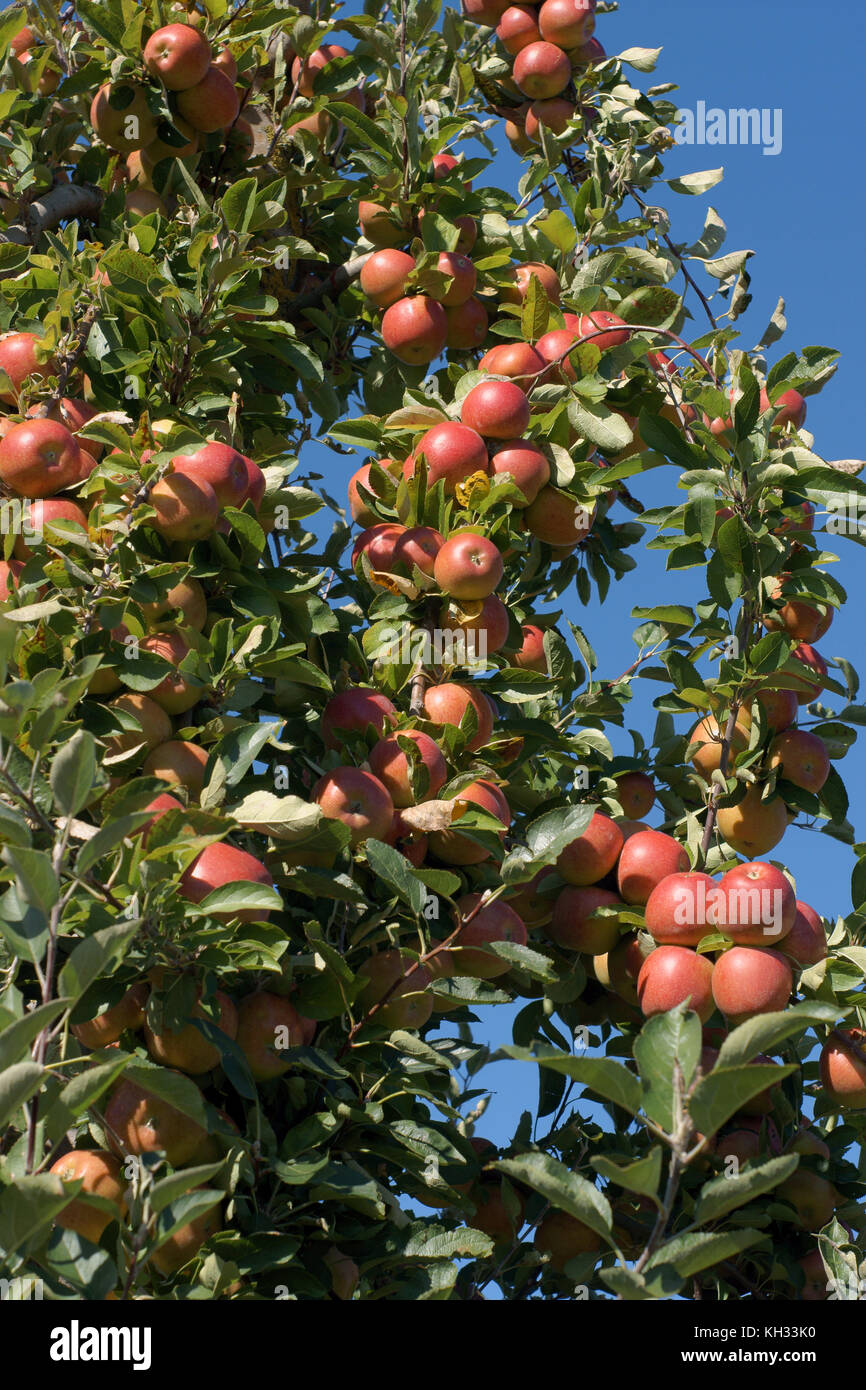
(801, 211)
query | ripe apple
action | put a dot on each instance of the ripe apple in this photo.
(179, 763)
(212, 104)
(463, 278)
(304, 73)
(453, 452)
(256, 483)
(487, 12)
(620, 969)
(590, 857)
(410, 1004)
(391, 765)
(483, 626)
(448, 703)
(467, 325)
(174, 693)
(491, 1214)
(221, 466)
(672, 974)
(790, 409)
(636, 792)
(218, 865)
(39, 458)
(532, 901)
(568, 23)
(563, 1237)
(160, 806)
(742, 1144)
(554, 114)
(179, 55)
(107, 1027)
(709, 734)
(646, 859)
(575, 925)
(496, 410)
(378, 543)
(519, 361)
(757, 906)
(154, 723)
(137, 1122)
(18, 361)
(813, 1198)
(359, 800)
(779, 707)
(559, 519)
(587, 326)
(379, 226)
(468, 566)
(525, 464)
(802, 758)
(497, 921)
(418, 547)
(225, 61)
(843, 1072)
(268, 1025)
(352, 711)
(188, 597)
(39, 520)
(357, 506)
(811, 684)
(186, 508)
(517, 28)
(748, 981)
(753, 827)
(516, 292)
(20, 42)
(159, 149)
(345, 1275)
(384, 276)
(100, 1174)
(680, 910)
(74, 414)
(452, 847)
(415, 329)
(541, 70)
(126, 129)
(806, 942)
(186, 1049)
(186, 1242)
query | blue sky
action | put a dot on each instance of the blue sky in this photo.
(801, 212)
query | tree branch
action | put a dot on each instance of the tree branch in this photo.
(61, 204)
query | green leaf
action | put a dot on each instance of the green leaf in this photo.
(643, 1176)
(17, 1084)
(394, 869)
(233, 898)
(35, 877)
(696, 183)
(73, 773)
(606, 1077)
(689, 1254)
(558, 230)
(724, 1194)
(96, 955)
(667, 1041)
(565, 1190)
(28, 1206)
(764, 1033)
(176, 1185)
(546, 838)
(727, 1089)
(15, 1040)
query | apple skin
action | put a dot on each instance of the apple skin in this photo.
(357, 506)
(468, 566)
(516, 291)
(753, 827)
(562, 1237)
(453, 848)
(463, 279)
(351, 711)
(453, 453)
(186, 508)
(517, 28)
(160, 806)
(221, 466)
(410, 1005)
(188, 597)
(553, 347)
(745, 891)
(218, 865)
(530, 656)
(554, 114)
(748, 981)
(620, 969)
(39, 458)
(843, 1074)
(491, 1215)
(779, 707)
(447, 703)
(39, 517)
(359, 800)
(107, 1027)
(259, 1017)
(591, 857)
(384, 276)
(672, 974)
(144, 1123)
(467, 326)
(533, 905)
(569, 23)
(379, 227)
(587, 326)
(378, 543)
(790, 409)
(497, 921)
(186, 1049)
(225, 61)
(484, 632)
(813, 685)
(185, 1243)
(74, 414)
(496, 410)
(179, 763)
(646, 859)
(806, 942)
(558, 519)
(256, 483)
(179, 55)
(174, 693)
(18, 361)
(813, 1198)
(679, 910)
(415, 329)
(158, 149)
(519, 361)
(110, 123)
(101, 1175)
(802, 758)
(541, 70)
(304, 72)
(636, 793)
(212, 104)
(525, 464)
(574, 927)
(487, 12)
(418, 546)
(155, 724)
(390, 764)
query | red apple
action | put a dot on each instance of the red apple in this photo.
(221, 466)
(447, 704)
(467, 325)
(186, 508)
(415, 329)
(525, 463)
(757, 905)
(575, 925)
(541, 70)
(496, 410)
(384, 276)
(669, 976)
(748, 981)
(517, 28)
(521, 277)
(806, 942)
(802, 759)
(680, 910)
(179, 55)
(353, 711)
(218, 865)
(843, 1071)
(531, 655)
(39, 458)
(559, 519)
(646, 859)
(452, 452)
(418, 546)
(212, 104)
(519, 361)
(590, 857)
(468, 566)
(568, 23)
(391, 765)
(452, 847)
